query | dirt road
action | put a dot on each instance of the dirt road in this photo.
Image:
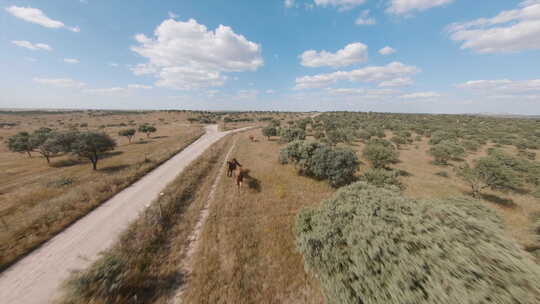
(37, 277)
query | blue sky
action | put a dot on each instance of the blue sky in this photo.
(429, 56)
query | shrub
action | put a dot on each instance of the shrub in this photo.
(147, 129)
(471, 145)
(20, 143)
(372, 245)
(337, 165)
(489, 172)
(382, 178)
(269, 131)
(439, 136)
(442, 174)
(314, 159)
(91, 145)
(380, 155)
(292, 134)
(445, 151)
(129, 133)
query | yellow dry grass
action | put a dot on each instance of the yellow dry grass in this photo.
(247, 252)
(514, 208)
(37, 200)
(154, 246)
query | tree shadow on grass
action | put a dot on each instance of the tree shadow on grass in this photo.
(114, 169)
(67, 163)
(159, 137)
(141, 142)
(504, 202)
(110, 154)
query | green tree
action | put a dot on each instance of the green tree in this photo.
(489, 172)
(292, 134)
(382, 178)
(380, 155)
(129, 133)
(20, 143)
(147, 129)
(269, 131)
(373, 245)
(92, 145)
(445, 151)
(41, 141)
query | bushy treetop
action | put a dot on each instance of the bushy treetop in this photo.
(372, 245)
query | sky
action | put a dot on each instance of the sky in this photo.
(412, 56)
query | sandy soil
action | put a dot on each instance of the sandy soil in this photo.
(37, 277)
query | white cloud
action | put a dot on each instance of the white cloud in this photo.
(270, 92)
(364, 93)
(172, 15)
(71, 60)
(372, 74)
(421, 95)
(396, 82)
(139, 86)
(351, 54)
(29, 45)
(289, 3)
(247, 94)
(387, 51)
(365, 19)
(510, 31)
(107, 91)
(504, 88)
(340, 4)
(113, 64)
(60, 82)
(402, 7)
(186, 55)
(117, 91)
(37, 16)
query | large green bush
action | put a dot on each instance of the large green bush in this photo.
(380, 155)
(314, 159)
(372, 245)
(382, 178)
(445, 151)
(292, 134)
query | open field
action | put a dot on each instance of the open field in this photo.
(38, 200)
(247, 251)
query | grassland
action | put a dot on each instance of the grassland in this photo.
(37, 200)
(247, 252)
(150, 251)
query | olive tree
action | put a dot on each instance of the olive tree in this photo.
(292, 134)
(380, 155)
(489, 172)
(129, 133)
(445, 151)
(42, 142)
(147, 129)
(373, 245)
(92, 145)
(20, 143)
(317, 160)
(269, 131)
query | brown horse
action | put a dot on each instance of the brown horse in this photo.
(239, 177)
(231, 166)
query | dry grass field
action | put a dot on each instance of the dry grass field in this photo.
(247, 252)
(38, 200)
(152, 249)
(514, 208)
